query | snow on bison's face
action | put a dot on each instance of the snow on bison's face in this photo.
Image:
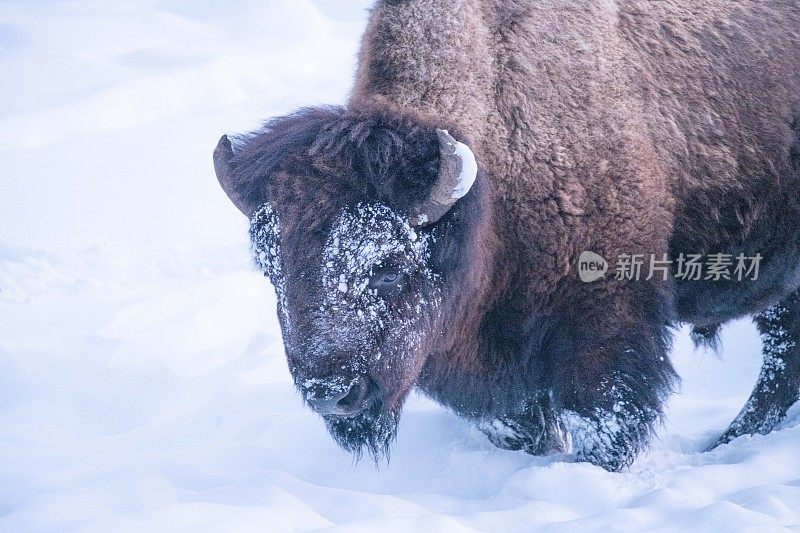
(354, 220)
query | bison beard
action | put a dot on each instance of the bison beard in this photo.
(372, 431)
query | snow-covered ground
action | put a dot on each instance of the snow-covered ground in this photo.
(142, 380)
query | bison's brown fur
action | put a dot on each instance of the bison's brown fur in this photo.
(620, 127)
(617, 127)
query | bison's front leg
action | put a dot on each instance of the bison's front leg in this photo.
(536, 429)
(614, 425)
(613, 385)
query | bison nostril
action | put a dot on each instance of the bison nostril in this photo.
(347, 403)
(355, 397)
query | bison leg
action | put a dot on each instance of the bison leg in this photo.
(536, 430)
(610, 390)
(778, 386)
(612, 431)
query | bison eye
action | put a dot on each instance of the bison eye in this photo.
(390, 278)
(388, 283)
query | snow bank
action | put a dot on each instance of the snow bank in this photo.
(166, 405)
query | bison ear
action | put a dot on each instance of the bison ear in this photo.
(458, 169)
(239, 189)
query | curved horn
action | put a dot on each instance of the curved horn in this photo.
(231, 184)
(457, 172)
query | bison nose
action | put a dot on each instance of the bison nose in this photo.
(347, 403)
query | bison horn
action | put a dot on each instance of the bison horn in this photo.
(457, 172)
(239, 192)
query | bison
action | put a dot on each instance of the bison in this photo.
(429, 233)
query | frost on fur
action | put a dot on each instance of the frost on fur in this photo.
(265, 239)
(361, 242)
(611, 438)
(536, 430)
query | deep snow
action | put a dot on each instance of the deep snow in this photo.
(142, 380)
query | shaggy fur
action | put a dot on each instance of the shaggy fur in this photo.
(617, 127)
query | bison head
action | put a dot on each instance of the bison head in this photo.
(361, 220)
